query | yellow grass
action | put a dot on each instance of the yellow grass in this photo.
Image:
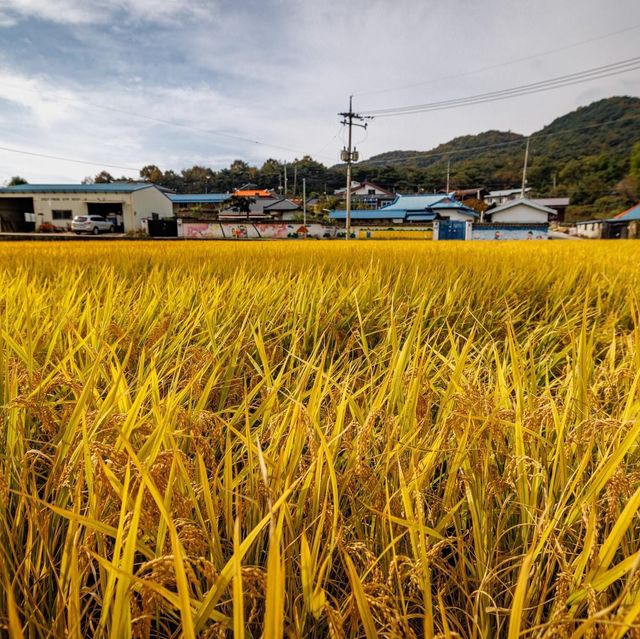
(314, 439)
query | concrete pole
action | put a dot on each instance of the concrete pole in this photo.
(304, 201)
(524, 170)
(348, 211)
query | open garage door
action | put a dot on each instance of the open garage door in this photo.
(111, 210)
(16, 214)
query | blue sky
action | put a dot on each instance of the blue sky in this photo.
(254, 80)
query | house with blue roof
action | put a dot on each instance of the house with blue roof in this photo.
(411, 209)
(619, 227)
(630, 215)
(26, 207)
(624, 225)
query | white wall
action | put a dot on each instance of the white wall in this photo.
(529, 232)
(520, 213)
(456, 215)
(145, 203)
(364, 190)
(248, 230)
(591, 229)
(135, 206)
(45, 203)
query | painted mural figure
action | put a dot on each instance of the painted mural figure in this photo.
(239, 232)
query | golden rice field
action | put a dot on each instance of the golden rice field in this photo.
(320, 439)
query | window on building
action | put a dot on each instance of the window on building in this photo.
(60, 214)
(371, 192)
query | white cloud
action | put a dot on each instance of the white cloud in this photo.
(278, 71)
(82, 12)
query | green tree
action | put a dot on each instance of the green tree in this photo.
(634, 162)
(241, 204)
(104, 177)
(16, 180)
(197, 179)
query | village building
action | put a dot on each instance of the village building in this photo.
(464, 195)
(367, 193)
(520, 219)
(558, 204)
(258, 193)
(591, 229)
(505, 195)
(264, 208)
(284, 209)
(520, 211)
(628, 222)
(27, 207)
(185, 202)
(622, 226)
(408, 209)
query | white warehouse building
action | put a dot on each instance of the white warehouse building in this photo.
(27, 206)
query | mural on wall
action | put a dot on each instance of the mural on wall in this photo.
(274, 230)
(200, 229)
(239, 232)
(511, 233)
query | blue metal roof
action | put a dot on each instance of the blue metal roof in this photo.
(628, 216)
(198, 198)
(112, 187)
(415, 202)
(455, 206)
(420, 217)
(369, 214)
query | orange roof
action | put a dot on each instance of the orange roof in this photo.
(253, 193)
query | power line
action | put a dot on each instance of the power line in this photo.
(64, 159)
(423, 155)
(463, 151)
(499, 65)
(616, 68)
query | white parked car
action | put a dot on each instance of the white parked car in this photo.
(91, 224)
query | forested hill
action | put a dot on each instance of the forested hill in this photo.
(584, 154)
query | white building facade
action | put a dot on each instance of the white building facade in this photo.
(521, 211)
(28, 206)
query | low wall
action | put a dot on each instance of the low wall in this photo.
(510, 232)
(252, 230)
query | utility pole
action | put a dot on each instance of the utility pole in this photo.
(448, 173)
(295, 180)
(350, 155)
(285, 179)
(304, 201)
(524, 170)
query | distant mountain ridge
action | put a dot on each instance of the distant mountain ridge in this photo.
(605, 125)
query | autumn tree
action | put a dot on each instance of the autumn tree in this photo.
(151, 173)
(104, 177)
